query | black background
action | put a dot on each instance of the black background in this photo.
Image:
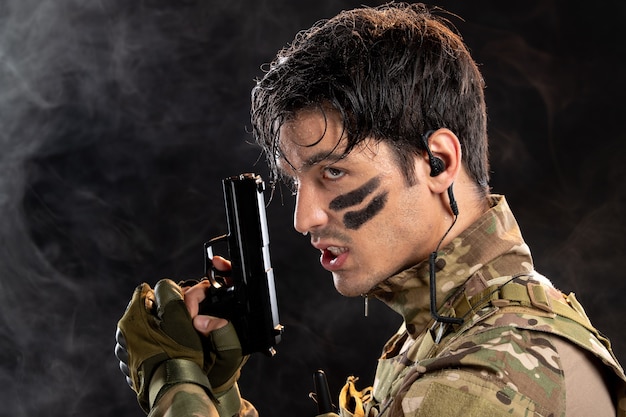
(119, 118)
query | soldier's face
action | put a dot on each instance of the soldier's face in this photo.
(359, 209)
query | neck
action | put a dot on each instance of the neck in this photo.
(471, 204)
(497, 250)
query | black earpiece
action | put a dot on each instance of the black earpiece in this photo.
(453, 206)
(437, 166)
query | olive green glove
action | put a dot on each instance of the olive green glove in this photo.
(223, 357)
(156, 332)
(223, 361)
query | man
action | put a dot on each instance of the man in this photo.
(377, 119)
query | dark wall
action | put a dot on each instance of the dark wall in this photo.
(118, 120)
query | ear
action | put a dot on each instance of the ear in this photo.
(445, 145)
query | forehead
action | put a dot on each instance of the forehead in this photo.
(309, 137)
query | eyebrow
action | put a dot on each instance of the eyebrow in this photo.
(322, 156)
(312, 160)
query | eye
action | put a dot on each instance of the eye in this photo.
(331, 173)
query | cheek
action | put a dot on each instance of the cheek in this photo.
(353, 220)
(356, 196)
(361, 204)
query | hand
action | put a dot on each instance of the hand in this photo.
(195, 294)
(222, 349)
(155, 329)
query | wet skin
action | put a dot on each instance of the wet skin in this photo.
(358, 209)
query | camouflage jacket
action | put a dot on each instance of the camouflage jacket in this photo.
(500, 360)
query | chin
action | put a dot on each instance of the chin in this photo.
(346, 288)
(348, 292)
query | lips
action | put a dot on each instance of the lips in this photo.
(333, 257)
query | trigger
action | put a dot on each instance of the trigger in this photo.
(218, 279)
(221, 280)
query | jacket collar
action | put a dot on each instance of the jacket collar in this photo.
(491, 247)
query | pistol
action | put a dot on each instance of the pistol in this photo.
(246, 295)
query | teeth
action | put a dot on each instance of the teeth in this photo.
(336, 251)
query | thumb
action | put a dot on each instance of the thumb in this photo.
(206, 324)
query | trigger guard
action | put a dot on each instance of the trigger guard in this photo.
(219, 281)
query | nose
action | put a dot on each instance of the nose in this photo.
(309, 213)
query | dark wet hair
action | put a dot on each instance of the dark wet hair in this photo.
(393, 72)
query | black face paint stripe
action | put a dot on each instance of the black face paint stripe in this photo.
(356, 196)
(355, 219)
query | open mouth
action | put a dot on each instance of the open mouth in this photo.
(336, 251)
(333, 257)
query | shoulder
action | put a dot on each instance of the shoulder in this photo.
(498, 371)
(464, 392)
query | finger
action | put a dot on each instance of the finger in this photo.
(221, 264)
(194, 296)
(175, 319)
(206, 324)
(140, 298)
(226, 339)
(149, 300)
(165, 291)
(188, 283)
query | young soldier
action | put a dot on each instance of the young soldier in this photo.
(377, 118)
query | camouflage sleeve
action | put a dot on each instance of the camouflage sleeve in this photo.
(184, 400)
